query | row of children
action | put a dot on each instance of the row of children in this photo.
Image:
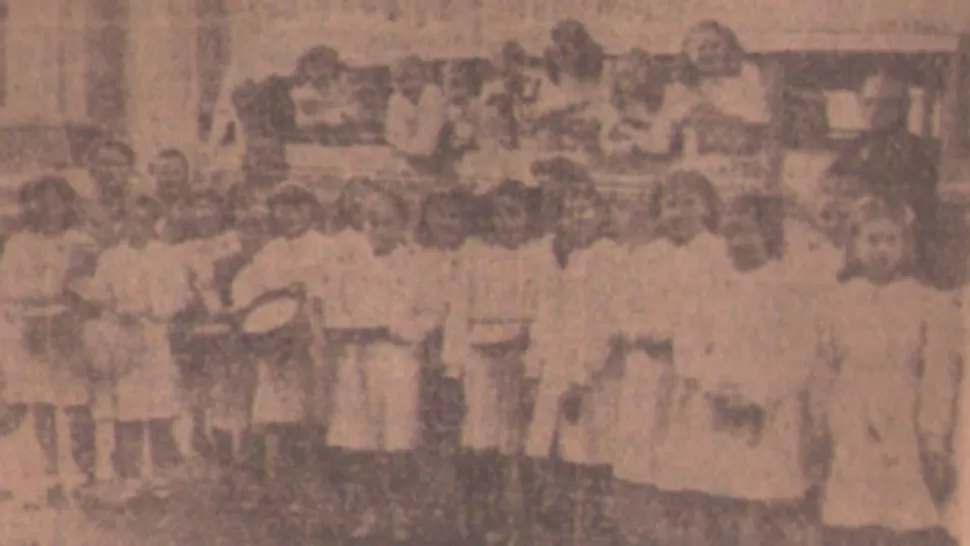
(699, 375)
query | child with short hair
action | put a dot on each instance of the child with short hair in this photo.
(686, 210)
(375, 417)
(486, 337)
(139, 298)
(207, 242)
(294, 261)
(571, 347)
(891, 409)
(42, 372)
(747, 356)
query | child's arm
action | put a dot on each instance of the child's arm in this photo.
(455, 348)
(941, 374)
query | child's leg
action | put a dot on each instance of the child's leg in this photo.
(165, 453)
(45, 432)
(105, 445)
(130, 449)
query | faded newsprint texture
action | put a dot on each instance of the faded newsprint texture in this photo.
(483, 272)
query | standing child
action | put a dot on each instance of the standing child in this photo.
(891, 408)
(571, 346)
(486, 337)
(684, 261)
(376, 328)
(206, 243)
(745, 358)
(41, 370)
(139, 298)
(234, 385)
(295, 260)
(446, 221)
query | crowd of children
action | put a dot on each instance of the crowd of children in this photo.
(694, 387)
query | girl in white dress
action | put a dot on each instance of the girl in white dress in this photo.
(297, 260)
(446, 221)
(376, 330)
(628, 115)
(891, 405)
(507, 102)
(686, 261)
(486, 338)
(139, 298)
(42, 374)
(566, 114)
(747, 358)
(718, 103)
(572, 338)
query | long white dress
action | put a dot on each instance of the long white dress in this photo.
(150, 285)
(38, 366)
(493, 300)
(753, 343)
(577, 317)
(663, 282)
(883, 407)
(377, 379)
(282, 388)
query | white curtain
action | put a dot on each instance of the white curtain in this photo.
(163, 79)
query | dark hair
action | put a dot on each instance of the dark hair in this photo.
(515, 191)
(174, 153)
(110, 144)
(313, 55)
(35, 189)
(696, 182)
(592, 59)
(562, 169)
(758, 208)
(147, 203)
(293, 195)
(400, 206)
(347, 207)
(461, 199)
(686, 72)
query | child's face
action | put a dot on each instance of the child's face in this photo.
(171, 175)
(410, 81)
(292, 219)
(580, 220)
(746, 242)
(446, 225)
(111, 169)
(708, 51)
(207, 216)
(832, 218)
(682, 213)
(510, 222)
(140, 225)
(383, 225)
(50, 210)
(880, 249)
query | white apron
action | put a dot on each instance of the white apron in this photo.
(876, 474)
(576, 319)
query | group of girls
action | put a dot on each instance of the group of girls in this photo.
(698, 381)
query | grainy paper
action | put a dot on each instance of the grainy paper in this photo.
(483, 272)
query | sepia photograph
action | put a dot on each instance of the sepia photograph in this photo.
(484, 272)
